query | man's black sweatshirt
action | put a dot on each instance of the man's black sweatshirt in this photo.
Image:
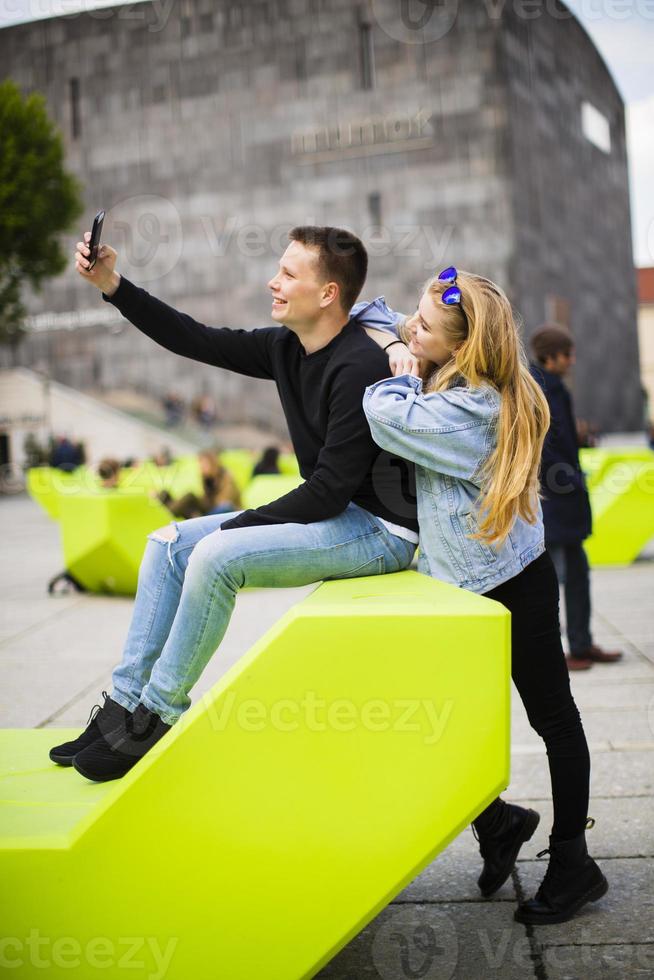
(321, 394)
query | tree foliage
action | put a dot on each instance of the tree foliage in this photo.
(38, 201)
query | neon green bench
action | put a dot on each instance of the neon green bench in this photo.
(103, 536)
(623, 513)
(182, 476)
(314, 781)
(46, 485)
(597, 461)
(263, 489)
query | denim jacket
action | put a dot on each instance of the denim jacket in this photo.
(448, 435)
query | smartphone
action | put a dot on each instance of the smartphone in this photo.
(94, 244)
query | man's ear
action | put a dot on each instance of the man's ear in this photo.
(330, 294)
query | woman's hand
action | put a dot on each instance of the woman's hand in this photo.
(402, 361)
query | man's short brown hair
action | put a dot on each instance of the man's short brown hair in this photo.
(342, 258)
(550, 340)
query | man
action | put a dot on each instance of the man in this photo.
(566, 506)
(349, 517)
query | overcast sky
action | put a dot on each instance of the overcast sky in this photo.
(623, 30)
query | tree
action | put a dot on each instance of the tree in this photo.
(38, 201)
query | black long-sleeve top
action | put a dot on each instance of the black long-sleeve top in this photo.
(321, 395)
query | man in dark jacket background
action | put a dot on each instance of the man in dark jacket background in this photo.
(566, 506)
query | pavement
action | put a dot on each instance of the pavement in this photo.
(56, 656)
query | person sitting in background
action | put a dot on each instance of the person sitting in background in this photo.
(220, 494)
(163, 457)
(566, 505)
(108, 473)
(268, 463)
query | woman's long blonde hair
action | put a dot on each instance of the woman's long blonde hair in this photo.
(483, 334)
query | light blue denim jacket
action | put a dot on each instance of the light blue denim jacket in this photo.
(448, 435)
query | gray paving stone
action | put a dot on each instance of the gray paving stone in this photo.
(602, 962)
(452, 876)
(22, 613)
(624, 915)
(606, 729)
(624, 828)
(613, 774)
(614, 693)
(437, 942)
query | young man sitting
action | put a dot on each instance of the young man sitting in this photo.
(352, 516)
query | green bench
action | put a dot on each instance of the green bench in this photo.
(266, 488)
(286, 809)
(103, 537)
(622, 503)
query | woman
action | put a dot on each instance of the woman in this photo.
(472, 419)
(220, 493)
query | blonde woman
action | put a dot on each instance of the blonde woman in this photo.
(465, 409)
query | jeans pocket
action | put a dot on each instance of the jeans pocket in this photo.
(373, 566)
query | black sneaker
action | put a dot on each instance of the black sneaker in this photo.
(115, 752)
(102, 719)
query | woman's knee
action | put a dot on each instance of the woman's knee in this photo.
(561, 722)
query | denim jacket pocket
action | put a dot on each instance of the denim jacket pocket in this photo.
(476, 550)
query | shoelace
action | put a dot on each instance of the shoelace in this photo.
(590, 823)
(556, 869)
(97, 708)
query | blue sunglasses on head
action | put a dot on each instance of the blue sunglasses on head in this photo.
(452, 295)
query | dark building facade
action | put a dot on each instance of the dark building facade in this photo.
(489, 136)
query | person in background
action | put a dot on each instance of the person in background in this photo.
(163, 457)
(173, 407)
(108, 473)
(566, 505)
(220, 495)
(66, 455)
(268, 463)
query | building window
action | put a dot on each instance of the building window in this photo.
(595, 127)
(374, 209)
(366, 53)
(75, 119)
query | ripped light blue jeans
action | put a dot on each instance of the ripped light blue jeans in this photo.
(187, 589)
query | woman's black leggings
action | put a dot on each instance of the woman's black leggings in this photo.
(541, 676)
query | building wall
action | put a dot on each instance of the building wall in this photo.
(208, 132)
(573, 260)
(646, 333)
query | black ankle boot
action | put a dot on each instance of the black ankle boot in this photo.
(101, 720)
(572, 879)
(114, 753)
(501, 835)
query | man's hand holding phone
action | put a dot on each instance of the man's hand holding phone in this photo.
(103, 273)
